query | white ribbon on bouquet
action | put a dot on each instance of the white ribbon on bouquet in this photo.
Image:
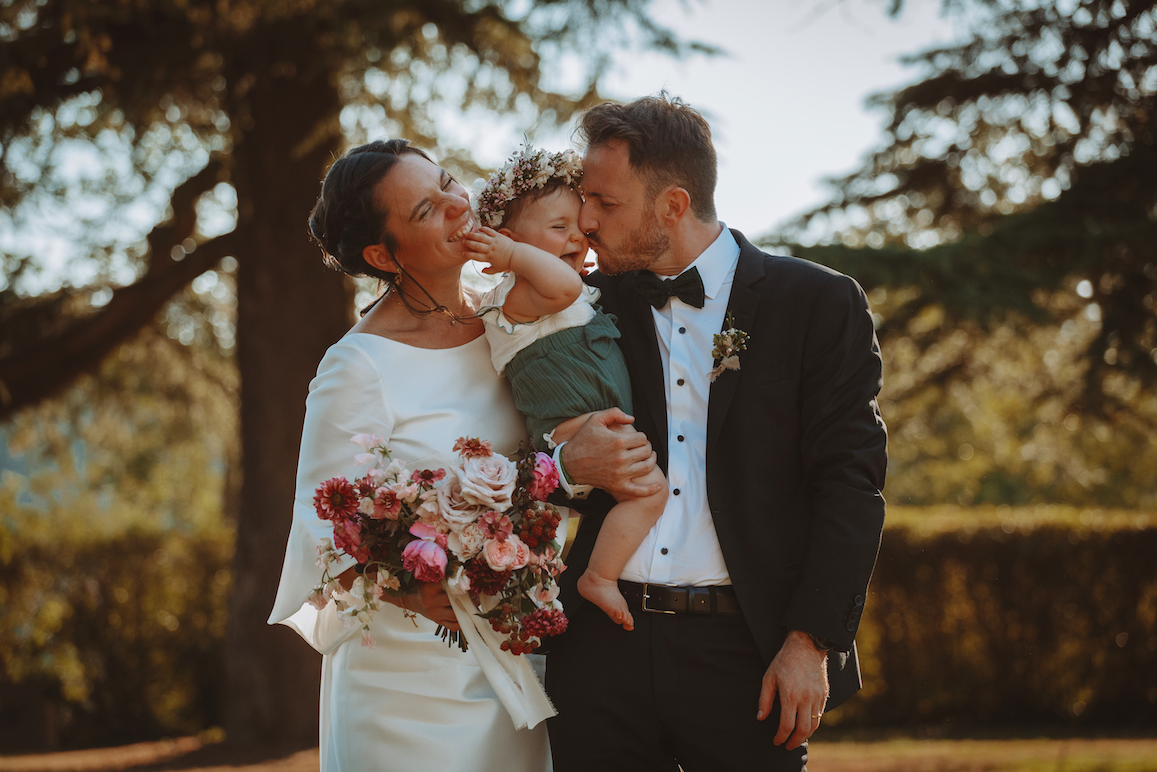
(512, 677)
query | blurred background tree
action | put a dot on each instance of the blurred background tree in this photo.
(177, 142)
(1007, 233)
(115, 550)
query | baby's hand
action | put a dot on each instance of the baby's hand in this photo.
(490, 246)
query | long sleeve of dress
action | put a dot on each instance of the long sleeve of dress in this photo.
(347, 397)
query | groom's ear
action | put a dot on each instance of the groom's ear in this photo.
(672, 205)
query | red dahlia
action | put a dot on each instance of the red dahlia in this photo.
(335, 499)
(484, 579)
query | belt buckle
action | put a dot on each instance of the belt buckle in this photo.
(646, 594)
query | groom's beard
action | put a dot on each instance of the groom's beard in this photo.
(642, 248)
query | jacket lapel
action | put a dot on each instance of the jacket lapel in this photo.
(641, 345)
(742, 305)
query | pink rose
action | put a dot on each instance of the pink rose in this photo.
(425, 557)
(488, 481)
(521, 553)
(545, 477)
(427, 532)
(500, 555)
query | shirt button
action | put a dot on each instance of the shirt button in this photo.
(680, 438)
(679, 382)
(664, 550)
(682, 330)
(676, 491)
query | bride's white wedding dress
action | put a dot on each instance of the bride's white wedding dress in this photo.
(410, 702)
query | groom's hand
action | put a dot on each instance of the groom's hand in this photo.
(608, 453)
(799, 674)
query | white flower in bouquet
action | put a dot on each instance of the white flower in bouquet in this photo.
(326, 554)
(488, 481)
(546, 597)
(368, 442)
(466, 542)
(396, 471)
(317, 598)
(460, 582)
(453, 507)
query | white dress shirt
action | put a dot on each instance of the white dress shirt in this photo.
(682, 547)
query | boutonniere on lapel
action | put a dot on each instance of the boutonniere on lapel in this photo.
(728, 344)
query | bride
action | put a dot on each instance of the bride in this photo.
(417, 373)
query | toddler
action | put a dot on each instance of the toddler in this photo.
(557, 350)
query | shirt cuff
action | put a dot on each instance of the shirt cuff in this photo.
(572, 491)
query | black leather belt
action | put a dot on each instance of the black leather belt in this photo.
(672, 599)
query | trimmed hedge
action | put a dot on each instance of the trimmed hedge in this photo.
(975, 617)
(1007, 617)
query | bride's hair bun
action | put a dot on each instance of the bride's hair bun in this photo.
(347, 218)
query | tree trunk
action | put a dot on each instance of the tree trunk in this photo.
(290, 308)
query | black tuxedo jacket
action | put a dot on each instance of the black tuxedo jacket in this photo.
(796, 449)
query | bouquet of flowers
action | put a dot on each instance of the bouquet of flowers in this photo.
(483, 526)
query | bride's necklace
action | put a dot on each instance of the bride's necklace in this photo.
(425, 309)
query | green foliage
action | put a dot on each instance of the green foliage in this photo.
(1016, 185)
(1007, 234)
(990, 418)
(112, 639)
(1011, 617)
(115, 552)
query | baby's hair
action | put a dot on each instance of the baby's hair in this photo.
(527, 175)
(517, 205)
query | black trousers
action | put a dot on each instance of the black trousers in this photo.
(678, 691)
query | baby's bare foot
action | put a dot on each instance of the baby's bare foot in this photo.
(605, 594)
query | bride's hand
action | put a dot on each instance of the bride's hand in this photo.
(432, 602)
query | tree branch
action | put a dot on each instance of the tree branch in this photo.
(35, 367)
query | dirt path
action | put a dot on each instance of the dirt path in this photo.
(189, 754)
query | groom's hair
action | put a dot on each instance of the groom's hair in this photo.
(668, 143)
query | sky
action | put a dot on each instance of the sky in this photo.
(787, 102)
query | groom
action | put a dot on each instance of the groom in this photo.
(747, 593)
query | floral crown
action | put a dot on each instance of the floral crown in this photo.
(526, 170)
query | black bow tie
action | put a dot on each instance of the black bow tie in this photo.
(687, 286)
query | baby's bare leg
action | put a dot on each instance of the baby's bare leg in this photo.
(624, 529)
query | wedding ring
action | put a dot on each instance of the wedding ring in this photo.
(819, 716)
